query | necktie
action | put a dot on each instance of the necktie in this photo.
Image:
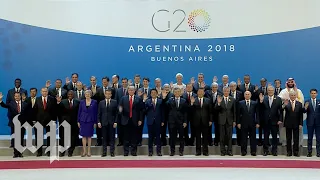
(70, 104)
(108, 103)
(277, 91)
(314, 104)
(146, 91)
(226, 101)
(123, 91)
(18, 107)
(270, 101)
(200, 100)
(18, 90)
(248, 105)
(293, 105)
(130, 104)
(79, 94)
(74, 85)
(58, 92)
(247, 86)
(154, 104)
(137, 86)
(32, 101)
(44, 103)
(177, 102)
(214, 97)
(189, 97)
(264, 90)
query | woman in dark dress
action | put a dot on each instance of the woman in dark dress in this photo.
(87, 120)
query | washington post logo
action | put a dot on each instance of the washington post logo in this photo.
(54, 148)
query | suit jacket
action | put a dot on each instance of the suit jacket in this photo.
(100, 93)
(242, 88)
(10, 94)
(108, 115)
(120, 94)
(220, 87)
(294, 118)
(239, 96)
(88, 114)
(201, 115)
(45, 115)
(29, 112)
(95, 96)
(13, 111)
(148, 91)
(248, 118)
(137, 110)
(53, 92)
(196, 87)
(76, 95)
(213, 100)
(166, 108)
(139, 86)
(154, 114)
(313, 116)
(177, 115)
(69, 87)
(227, 112)
(119, 86)
(276, 93)
(69, 114)
(257, 93)
(271, 115)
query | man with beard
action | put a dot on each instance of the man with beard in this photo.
(284, 95)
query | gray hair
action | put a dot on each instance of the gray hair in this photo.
(176, 89)
(225, 76)
(93, 77)
(179, 74)
(78, 82)
(292, 92)
(131, 88)
(88, 91)
(157, 79)
(166, 85)
(200, 74)
(225, 88)
(232, 83)
(270, 87)
(214, 84)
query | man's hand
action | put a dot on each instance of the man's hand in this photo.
(139, 123)
(279, 122)
(257, 125)
(300, 127)
(99, 125)
(48, 83)
(115, 125)
(210, 123)
(184, 125)
(234, 124)
(239, 126)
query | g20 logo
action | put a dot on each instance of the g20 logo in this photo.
(198, 20)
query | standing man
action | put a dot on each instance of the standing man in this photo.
(79, 93)
(200, 83)
(165, 95)
(312, 108)
(271, 107)
(45, 109)
(201, 120)
(68, 108)
(137, 83)
(94, 88)
(17, 88)
(71, 85)
(238, 96)
(246, 86)
(225, 83)
(257, 91)
(107, 121)
(248, 121)
(277, 85)
(15, 108)
(115, 82)
(154, 114)
(226, 107)
(158, 86)
(131, 110)
(57, 90)
(177, 119)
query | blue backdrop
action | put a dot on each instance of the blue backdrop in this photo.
(38, 54)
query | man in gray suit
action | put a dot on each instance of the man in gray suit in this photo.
(79, 93)
(226, 107)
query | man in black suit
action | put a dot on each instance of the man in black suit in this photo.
(68, 108)
(238, 96)
(225, 82)
(293, 121)
(277, 85)
(212, 95)
(94, 88)
(177, 120)
(165, 95)
(107, 121)
(17, 88)
(71, 85)
(131, 110)
(200, 83)
(201, 120)
(57, 90)
(115, 82)
(120, 92)
(31, 116)
(137, 85)
(45, 109)
(226, 107)
(248, 121)
(79, 93)
(246, 86)
(15, 108)
(187, 96)
(257, 91)
(271, 107)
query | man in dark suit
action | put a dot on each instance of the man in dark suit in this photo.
(115, 82)
(312, 108)
(154, 116)
(68, 109)
(212, 95)
(17, 88)
(277, 85)
(246, 86)
(177, 120)
(200, 83)
(137, 85)
(79, 93)
(45, 109)
(271, 107)
(71, 85)
(187, 96)
(293, 121)
(131, 110)
(201, 120)
(15, 108)
(225, 83)
(94, 88)
(30, 115)
(226, 107)
(257, 91)
(107, 121)
(120, 92)
(248, 121)
(165, 96)
(238, 96)
(57, 90)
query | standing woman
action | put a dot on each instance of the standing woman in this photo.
(87, 120)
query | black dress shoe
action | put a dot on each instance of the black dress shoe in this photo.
(39, 154)
(206, 154)
(61, 154)
(98, 144)
(172, 154)
(70, 155)
(112, 154)
(243, 154)
(134, 154)
(15, 156)
(150, 154)
(139, 144)
(159, 154)
(223, 154)
(253, 154)
(104, 155)
(309, 154)
(198, 154)
(48, 154)
(275, 154)
(120, 144)
(180, 153)
(318, 155)
(230, 154)
(265, 153)
(289, 154)
(296, 154)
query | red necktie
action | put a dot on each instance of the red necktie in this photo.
(200, 102)
(70, 104)
(44, 103)
(189, 97)
(154, 104)
(18, 106)
(130, 104)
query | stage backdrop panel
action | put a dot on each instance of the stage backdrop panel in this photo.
(45, 40)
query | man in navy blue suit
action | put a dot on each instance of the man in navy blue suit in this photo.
(312, 108)
(131, 110)
(107, 121)
(154, 114)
